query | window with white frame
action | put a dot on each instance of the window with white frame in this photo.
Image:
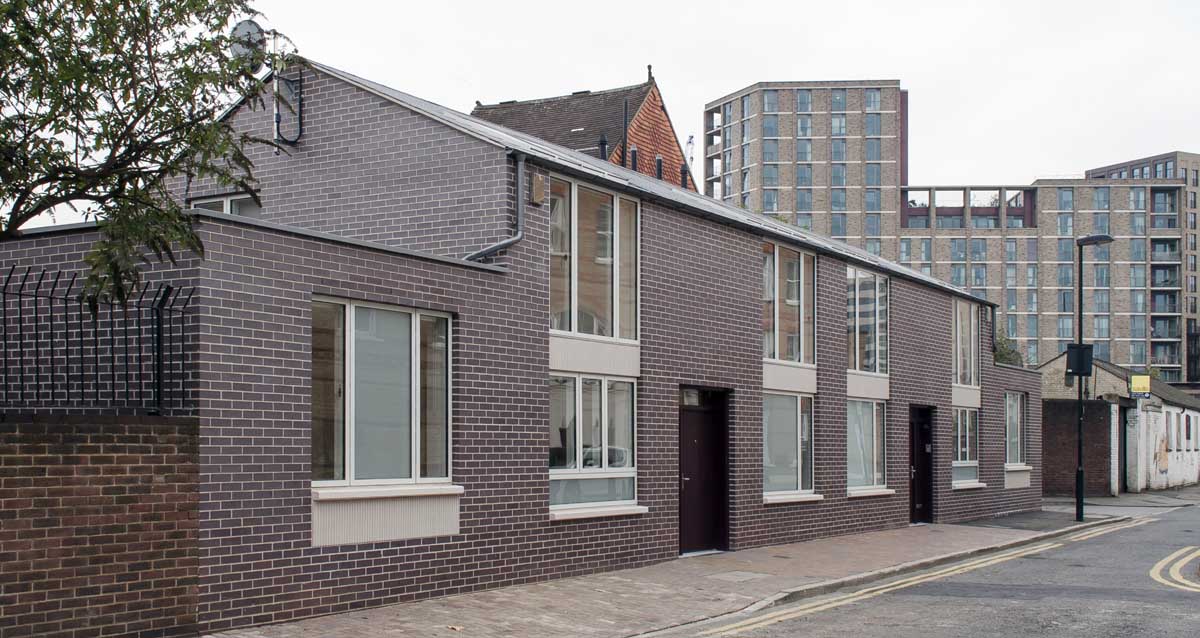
(866, 321)
(1014, 427)
(380, 394)
(865, 444)
(966, 446)
(593, 261)
(592, 440)
(789, 298)
(787, 443)
(966, 342)
(241, 205)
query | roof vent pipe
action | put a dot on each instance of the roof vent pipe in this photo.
(658, 168)
(633, 157)
(625, 133)
(603, 146)
(519, 234)
(683, 171)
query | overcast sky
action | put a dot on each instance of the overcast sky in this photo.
(1002, 92)
(999, 92)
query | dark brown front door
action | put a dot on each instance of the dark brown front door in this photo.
(701, 470)
(921, 465)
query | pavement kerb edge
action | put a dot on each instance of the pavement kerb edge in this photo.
(817, 589)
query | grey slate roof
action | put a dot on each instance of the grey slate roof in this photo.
(576, 121)
(1162, 389)
(565, 160)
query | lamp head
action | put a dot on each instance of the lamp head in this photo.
(1094, 240)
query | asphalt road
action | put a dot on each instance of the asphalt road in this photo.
(1097, 586)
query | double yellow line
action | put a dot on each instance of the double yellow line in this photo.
(1108, 529)
(871, 592)
(1174, 565)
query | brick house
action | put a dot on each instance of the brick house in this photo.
(628, 126)
(1130, 444)
(445, 356)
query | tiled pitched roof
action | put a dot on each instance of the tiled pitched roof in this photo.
(1162, 389)
(576, 121)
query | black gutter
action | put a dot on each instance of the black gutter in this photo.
(519, 234)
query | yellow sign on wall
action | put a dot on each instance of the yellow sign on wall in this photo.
(1139, 385)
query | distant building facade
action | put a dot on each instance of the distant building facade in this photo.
(832, 157)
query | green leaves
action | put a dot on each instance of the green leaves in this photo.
(102, 103)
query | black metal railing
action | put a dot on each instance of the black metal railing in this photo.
(59, 351)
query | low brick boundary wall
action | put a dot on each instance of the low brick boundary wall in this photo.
(98, 526)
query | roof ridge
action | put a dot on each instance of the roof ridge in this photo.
(580, 93)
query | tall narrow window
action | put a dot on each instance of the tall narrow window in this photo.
(629, 269)
(381, 394)
(966, 343)
(866, 321)
(787, 443)
(865, 444)
(788, 291)
(594, 261)
(592, 440)
(560, 255)
(328, 391)
(966, 449)
(1014, 421)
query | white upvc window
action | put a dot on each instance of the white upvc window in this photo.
(593, 438)
(789, 304)
(866, 452)
(966, 343)
(241, 205)
(593, 261)
(787, 443)
(380, 394)
(966, 446)
(1014, 421)
(866, 321)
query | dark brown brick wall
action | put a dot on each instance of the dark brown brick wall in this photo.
(1059, 429)
(98, 526)
(700, 310)
(369, 169)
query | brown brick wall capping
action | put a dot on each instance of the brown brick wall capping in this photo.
(98, 526)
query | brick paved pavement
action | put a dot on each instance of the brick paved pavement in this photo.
(634, 601)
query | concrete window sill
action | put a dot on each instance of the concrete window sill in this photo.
(866, 492)
(969, 485)
(789, 497)
(385, 491)
(601, 511)
(1017, 467)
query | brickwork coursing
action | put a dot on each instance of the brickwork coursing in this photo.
(700, 325)
(368, 169)
(1059, 430)
(98, 526)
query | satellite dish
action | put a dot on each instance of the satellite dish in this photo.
(249, 42)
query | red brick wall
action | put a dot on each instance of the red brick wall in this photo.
(651, 131)
(98, 526)
(1059, 430)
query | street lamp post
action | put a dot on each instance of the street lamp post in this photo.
(1080, 243)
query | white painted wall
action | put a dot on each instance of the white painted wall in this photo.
(1162, 462)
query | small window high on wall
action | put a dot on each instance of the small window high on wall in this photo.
(593, 261)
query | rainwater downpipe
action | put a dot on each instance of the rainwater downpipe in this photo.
(519, 234)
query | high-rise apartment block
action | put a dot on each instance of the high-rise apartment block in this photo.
(832, 157)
